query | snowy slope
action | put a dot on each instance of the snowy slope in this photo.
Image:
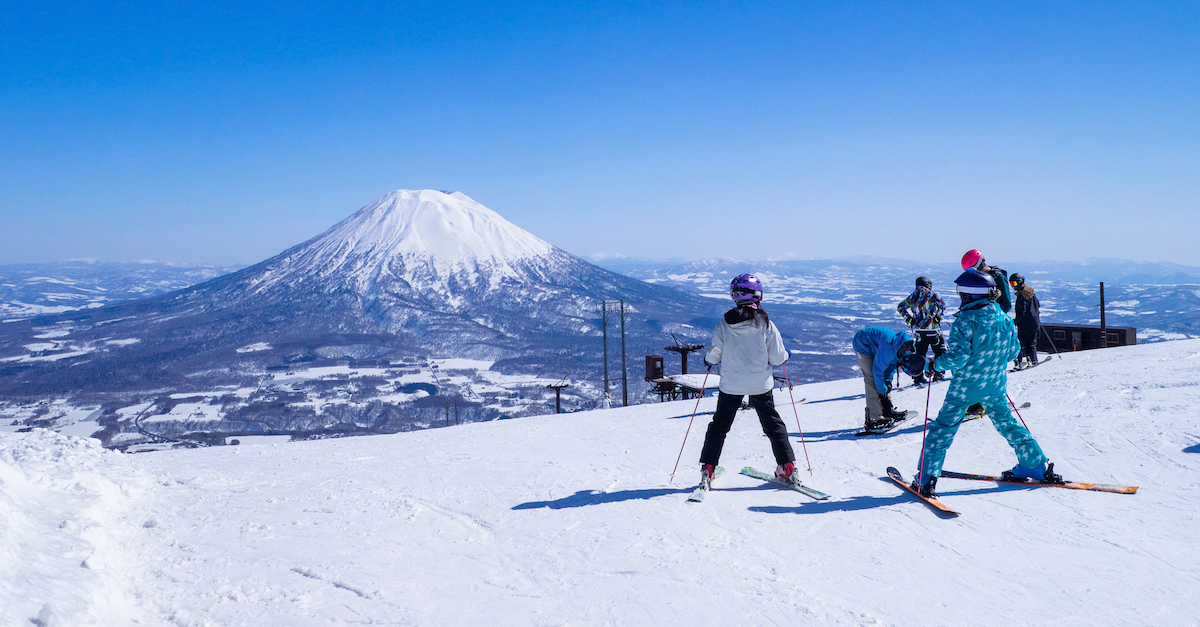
(571, 520)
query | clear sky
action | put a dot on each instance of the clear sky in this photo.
(208, 132)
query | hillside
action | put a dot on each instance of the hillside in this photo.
(414, 277)
(570, 519)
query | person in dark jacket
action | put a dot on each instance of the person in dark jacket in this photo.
(1028, 319)
(973, 259)
(923, 311)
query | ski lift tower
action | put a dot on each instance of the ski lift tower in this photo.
(558, 388)
(684, 350)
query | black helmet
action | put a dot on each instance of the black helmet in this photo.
(923, 281)
(1016, 280)
(910, 362)
(974, 285)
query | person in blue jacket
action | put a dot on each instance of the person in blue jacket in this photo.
(880, 351)
(982, 342)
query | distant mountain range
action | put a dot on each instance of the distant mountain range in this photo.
(417, 277)
(1161, 300)
(42, 288)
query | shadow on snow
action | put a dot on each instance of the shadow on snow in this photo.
(584, 498)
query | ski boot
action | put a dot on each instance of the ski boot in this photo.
(1042, 473)
(927, 490)
(974, 411)
(706, 475)
(877, 425)
(788, 473)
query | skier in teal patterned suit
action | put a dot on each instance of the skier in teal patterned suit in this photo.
(982, 342)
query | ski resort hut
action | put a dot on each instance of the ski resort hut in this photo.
(1062, 338)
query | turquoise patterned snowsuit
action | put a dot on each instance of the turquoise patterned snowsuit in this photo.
(982, 342)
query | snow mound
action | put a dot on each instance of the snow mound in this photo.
(59, 561)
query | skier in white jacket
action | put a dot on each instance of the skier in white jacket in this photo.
(747, 345)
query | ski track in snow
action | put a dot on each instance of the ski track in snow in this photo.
(571, 520)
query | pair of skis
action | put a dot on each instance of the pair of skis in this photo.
(701, 491)
(946, 474)
(1033, 365)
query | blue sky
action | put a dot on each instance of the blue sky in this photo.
(197, 132)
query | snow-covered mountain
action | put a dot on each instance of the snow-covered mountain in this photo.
(413, 275)
(572, 520)
(423, 242)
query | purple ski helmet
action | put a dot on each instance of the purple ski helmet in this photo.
(974, 285)
(745, 289)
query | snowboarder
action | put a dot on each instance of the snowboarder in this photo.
(982, 341)
(923, 311)
(747, 345)
(1028, 319)
(880, 351)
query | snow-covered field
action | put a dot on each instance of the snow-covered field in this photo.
(316, 388)
(571, 520)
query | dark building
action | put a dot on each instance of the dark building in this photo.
(1064, 338)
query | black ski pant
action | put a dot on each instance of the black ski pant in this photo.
(1027, 336)
(926, 339)
(929, 338)
(772, 426)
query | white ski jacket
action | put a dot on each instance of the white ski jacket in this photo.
(747, 354)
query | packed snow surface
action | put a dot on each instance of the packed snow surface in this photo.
(571, 519)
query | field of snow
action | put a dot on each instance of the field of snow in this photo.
(571, 520)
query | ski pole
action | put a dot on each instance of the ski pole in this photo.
(689, 429)
(797, 412)
(1014, 406)
(1049, 338)
(924, 429)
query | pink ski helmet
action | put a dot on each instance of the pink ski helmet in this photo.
(745, 289)
(973, 259)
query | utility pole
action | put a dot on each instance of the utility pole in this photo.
(618, 307)
(1103, 326)
(624, 369)
(604, 333)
